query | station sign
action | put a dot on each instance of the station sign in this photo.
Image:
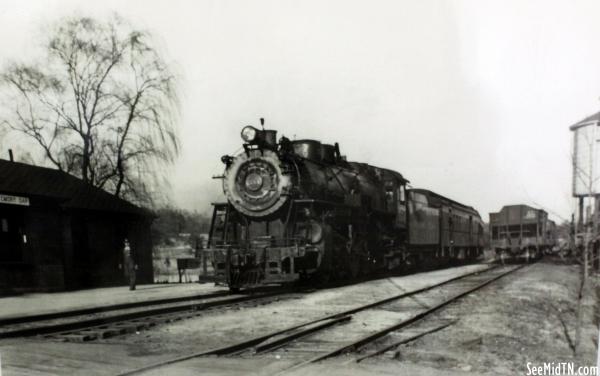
(14, 200)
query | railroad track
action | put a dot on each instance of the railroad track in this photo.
(104, 322)
(89, 324)
(374, 326)
(113, 307)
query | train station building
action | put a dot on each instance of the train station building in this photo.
(59, 233)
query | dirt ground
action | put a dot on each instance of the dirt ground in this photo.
(225, 327)
(527, 316)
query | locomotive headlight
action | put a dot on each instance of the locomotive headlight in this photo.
(249, 133)
(253, 182)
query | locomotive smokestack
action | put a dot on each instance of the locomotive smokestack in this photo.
(262, 123)
(10, 155)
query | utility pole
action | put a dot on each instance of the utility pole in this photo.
(596, 213)
(579, 227)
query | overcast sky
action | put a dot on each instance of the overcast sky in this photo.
(471, 99)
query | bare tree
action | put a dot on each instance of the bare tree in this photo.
(102, 105)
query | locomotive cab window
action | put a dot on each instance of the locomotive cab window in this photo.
(390, 196)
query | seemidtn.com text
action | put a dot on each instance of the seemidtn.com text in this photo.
(560, 369)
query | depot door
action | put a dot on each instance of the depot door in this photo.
(12, 234)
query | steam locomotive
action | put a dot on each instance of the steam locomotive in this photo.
(298, 210)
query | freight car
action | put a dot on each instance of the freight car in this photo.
(521, 232)
(299, 210)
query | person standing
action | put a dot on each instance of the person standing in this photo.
(130, 265)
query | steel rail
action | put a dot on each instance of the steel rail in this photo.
(406, 340)
(95, 322)
(102, 309)
(372, 337)
(282, 341)
(245, 345)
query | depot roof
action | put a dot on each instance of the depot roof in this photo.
(28, 180)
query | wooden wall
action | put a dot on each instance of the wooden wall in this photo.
(73, 249)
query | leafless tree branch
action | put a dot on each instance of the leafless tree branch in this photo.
(103, 107)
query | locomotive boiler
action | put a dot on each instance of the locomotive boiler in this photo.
(297, 209)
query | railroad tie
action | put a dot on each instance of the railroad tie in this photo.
(110, 332)
(77, 337)
(126, 327)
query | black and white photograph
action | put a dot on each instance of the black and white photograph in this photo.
(300, 187)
